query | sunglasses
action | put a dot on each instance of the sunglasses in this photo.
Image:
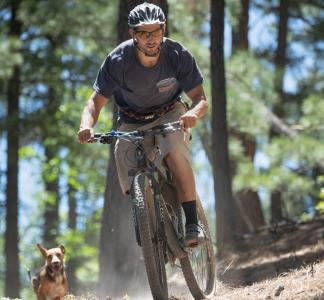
(146, 34)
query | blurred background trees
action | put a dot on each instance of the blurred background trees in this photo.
(53, 190)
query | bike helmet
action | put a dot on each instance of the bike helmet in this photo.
(146, 14)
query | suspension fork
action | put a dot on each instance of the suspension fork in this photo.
(160, 218)
(141, 163)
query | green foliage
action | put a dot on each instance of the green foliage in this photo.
(188, 22)
(250, 87)
(302, 151)
(80, 251)
(28, 153)
(9, 56)
(313, 116)
(188, 19)
(320, 203)
(64, 44)
(233, 11)
(320, 206)
(51, 169)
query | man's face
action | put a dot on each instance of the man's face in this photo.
(149, 37)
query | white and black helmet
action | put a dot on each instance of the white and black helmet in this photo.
(146, 14)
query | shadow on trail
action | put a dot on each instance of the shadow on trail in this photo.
(252, 274)
(268, 254)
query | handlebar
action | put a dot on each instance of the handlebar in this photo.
(137, 135)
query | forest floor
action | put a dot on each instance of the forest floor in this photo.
(281, 262)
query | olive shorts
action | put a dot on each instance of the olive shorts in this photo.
(156, 146)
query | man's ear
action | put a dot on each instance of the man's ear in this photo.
(164, 28)
(131, 33)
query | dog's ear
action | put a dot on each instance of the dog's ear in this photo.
(42, 249)
(62, 248)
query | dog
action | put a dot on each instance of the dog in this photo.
(51, 282)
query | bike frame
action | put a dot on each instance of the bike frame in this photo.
(166, 229)
(157, 216)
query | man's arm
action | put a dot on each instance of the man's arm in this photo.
(198, 108)
(90, 116)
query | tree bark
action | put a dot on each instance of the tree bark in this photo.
(73, 262)
(240, 34)
(72, 222)
(51, 180)
(280, 63)
(276, 208)
(281, 57)
(52, 166)
(243, 28)
(225, 213)
(121, 266)
(249, 213)
(12, 281)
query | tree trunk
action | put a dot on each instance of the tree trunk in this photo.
(51, 176)
(51, 213)
(243, 28)
(72, 221)
(51, 171)
(276, 208)
(12, 281)
(121, 266)
(249, 213)
(221, 167)
(280, 63)
(72, 263)
(240, 34)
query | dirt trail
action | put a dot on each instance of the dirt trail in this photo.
(284, 262)
(281, 262)
(303, 284)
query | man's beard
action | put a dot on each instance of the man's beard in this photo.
(155, 54)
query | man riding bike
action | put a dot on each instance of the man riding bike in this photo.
(146, 76)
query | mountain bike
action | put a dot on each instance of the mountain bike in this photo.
(159, 221)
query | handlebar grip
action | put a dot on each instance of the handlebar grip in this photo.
(106, 138)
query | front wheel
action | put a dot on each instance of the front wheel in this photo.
(149, 228)
(199, 267)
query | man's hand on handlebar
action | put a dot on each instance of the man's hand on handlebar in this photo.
(86, 135)
(188, 120)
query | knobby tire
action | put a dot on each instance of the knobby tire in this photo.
(153, 248)
(200, 285)
(198, 289)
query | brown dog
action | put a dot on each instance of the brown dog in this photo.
(51, 282)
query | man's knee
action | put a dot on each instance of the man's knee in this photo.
(176, 162)
(173, 158)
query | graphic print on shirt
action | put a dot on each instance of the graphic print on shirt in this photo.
(166, 85)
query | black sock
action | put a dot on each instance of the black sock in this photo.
(190, 210)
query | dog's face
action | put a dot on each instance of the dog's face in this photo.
(54, 258)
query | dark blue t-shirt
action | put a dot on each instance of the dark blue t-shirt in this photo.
(145, 89)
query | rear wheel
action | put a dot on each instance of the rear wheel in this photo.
(153, 244)
(199, 266)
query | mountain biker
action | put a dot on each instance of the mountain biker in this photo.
(146, 76)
